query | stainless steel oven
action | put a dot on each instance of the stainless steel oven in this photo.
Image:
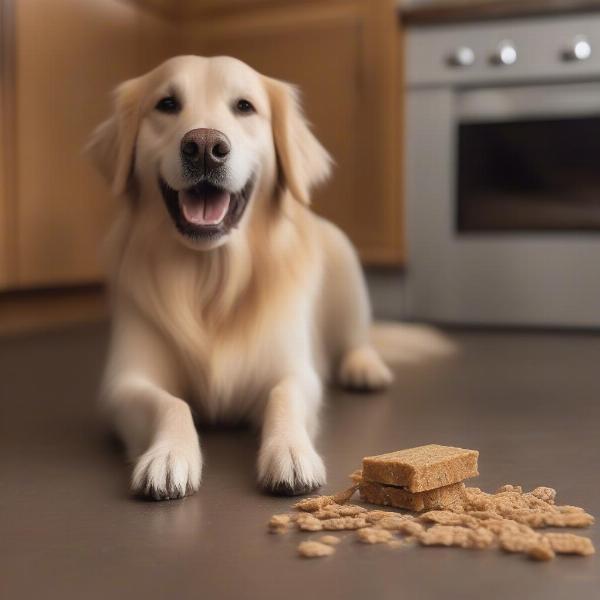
(503, 172)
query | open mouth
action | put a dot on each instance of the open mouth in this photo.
(205, 210)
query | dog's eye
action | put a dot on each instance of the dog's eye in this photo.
(168, 104)
(244, 107)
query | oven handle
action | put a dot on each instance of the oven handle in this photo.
(528, 102)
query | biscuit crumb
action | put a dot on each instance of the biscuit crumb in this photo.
(309, 523)
(312, 549)
(509, 488)
(330, 540)
(446, 517)
(313, 504)
(343, 523)
(279, 523)
(509, 518)
(377, 515)
(546, 494)
(569, 543)
(411, 528)
(351, 510)
(373, 535)
(456, 535)
(343, 497)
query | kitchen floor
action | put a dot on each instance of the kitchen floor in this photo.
(527, 401)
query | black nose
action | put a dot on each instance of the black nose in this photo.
(205, 149)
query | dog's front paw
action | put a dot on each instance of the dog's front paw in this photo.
(290, 468)
(167, 471)
(362, 369)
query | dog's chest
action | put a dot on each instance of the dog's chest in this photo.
(230, 375)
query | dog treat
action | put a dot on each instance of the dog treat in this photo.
(423, 468)
(388, 495)
(372, 535)
(312, 549)
(330, 540)
(449, 515)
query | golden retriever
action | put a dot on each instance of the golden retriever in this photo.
(226, 289)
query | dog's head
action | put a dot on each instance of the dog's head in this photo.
(205, 138)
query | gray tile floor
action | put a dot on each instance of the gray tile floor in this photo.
(528, 402)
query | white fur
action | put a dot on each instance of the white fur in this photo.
(247, 328)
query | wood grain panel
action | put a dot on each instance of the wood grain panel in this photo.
(343, 57)
(7, 179)
(69, 56)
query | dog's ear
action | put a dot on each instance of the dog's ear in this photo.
(112, 145)
(302, 160)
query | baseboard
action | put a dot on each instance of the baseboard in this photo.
(33, 310)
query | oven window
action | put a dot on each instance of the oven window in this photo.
(541, 175)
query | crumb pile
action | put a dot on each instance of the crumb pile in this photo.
(508, 519)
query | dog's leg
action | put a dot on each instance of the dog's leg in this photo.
(346, 317)
(155, 425)
(288, 463)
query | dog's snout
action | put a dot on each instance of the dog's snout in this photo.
(205, 148)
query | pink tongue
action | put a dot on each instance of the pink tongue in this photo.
(205, 209)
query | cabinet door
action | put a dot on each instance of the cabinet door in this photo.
(7, 271)
(69, 55)
(340, 54)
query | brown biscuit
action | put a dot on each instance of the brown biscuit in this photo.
(387, 495)
(423, 468)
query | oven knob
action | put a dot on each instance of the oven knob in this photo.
(462, 57)
(506, 54)
(579, 49)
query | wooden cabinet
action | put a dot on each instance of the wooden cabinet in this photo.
(61, 58)
(66, 58)
(344, 57)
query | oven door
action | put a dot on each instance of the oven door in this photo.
(503, 204)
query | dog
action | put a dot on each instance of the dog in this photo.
(225, 289)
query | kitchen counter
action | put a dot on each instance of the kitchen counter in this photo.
(527, 401)
(451, 11)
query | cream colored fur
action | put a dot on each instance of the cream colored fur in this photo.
(248, 328)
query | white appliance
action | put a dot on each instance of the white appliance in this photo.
(503, 172)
